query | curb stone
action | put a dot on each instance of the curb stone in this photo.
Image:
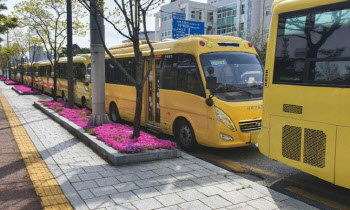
(105, 151)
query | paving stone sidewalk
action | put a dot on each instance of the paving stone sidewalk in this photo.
(89, 182)
(16, 189)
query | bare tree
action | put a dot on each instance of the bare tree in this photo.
(127, 18)
(47, 18)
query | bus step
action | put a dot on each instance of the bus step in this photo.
(153, 128)
(156, 132)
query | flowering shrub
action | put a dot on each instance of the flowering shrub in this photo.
(10, 82)
(115, 135)
(2, 78)
(25, 89)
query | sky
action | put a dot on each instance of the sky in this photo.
(112, 37)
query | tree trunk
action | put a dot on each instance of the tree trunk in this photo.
(32, 82)
(138, 111)
(54, 87)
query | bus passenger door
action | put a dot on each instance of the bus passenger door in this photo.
(152, 93)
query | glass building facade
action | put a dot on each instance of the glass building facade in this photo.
(227, 18)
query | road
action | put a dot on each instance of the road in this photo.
(251, 164)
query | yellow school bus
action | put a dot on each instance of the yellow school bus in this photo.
(307, 80)
(13, 73)
(176, 98)
(44, 77)
(28, 74)
(81, 75)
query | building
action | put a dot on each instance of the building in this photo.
(40, 54)
(142, 36)
(227, 17)
(194, 11)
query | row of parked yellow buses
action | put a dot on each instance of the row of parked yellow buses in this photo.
(177, 99)
(208, 90)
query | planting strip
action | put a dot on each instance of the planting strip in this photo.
(22, 93)
(105, 151)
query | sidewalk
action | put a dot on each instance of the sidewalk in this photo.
(16, 189)
(89, 182)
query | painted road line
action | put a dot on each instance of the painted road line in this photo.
(315, 197)
(44, 183)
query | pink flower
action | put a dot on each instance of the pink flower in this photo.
(25, 89)
(115, 135)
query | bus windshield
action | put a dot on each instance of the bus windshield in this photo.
(239, 75)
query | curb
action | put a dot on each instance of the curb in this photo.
(21, 93)
(104, 150)
(12, 84)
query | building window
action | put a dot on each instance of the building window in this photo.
(193, 14)
(219, 15)
(211, 16)
(200, 15)
(166, 17)
(243, 9)
(268, 11)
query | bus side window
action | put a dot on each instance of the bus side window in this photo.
(168, 76)
(188, 76)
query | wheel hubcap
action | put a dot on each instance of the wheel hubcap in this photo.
(185, 135)
(114, 115)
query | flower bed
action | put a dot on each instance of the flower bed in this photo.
(25, 89)
(115, 135)
(10, 82)
(2, 78)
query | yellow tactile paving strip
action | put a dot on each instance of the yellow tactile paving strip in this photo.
(44, 183)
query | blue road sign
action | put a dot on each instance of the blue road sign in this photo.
(179, 15)
(182, 28)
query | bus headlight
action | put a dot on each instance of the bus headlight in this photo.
(222, 117)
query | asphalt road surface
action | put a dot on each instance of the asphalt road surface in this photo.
(251, 164)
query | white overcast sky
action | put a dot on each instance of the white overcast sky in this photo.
(112, 37)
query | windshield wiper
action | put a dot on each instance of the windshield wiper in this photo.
(231, 88)
(256, 86)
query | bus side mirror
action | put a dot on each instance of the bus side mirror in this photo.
(211, 83)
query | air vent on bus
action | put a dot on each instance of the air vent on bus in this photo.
(291, 142)
(292, 109)
(314, 147)
(228, 44)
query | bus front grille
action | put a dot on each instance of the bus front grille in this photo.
(249, 126)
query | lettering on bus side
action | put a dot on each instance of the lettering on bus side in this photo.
(257, 107)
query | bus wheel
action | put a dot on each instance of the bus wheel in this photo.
(64, 97)
(83, 103)
(114, 113)
(184, 134)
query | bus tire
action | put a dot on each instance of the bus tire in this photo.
(64, 97)
(84, 103)
(114, 113)
(185, 136)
